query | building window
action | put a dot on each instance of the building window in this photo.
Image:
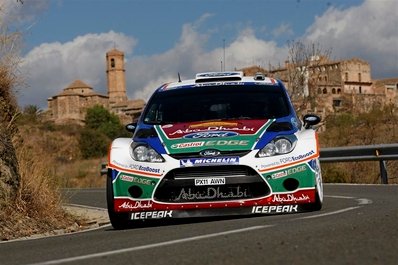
(333, 91)
(319, 90)
(338, 91)
(113, 63)
(336, 103)
(360, 90)
(359, 77)
(326, 78)
(325, 91)
(346, 76)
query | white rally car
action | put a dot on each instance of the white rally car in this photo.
(220, 144)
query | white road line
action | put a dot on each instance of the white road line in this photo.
(330, 213)
(339, 197)
(154, 245)
(361, 203)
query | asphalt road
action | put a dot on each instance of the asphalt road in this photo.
(357, 225)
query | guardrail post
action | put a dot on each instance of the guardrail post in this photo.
(383, 172)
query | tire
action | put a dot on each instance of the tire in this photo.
(317, 205)
(118, 220)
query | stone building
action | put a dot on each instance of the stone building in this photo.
(72, 103)
(334, 86)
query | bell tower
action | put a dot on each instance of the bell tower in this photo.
(116, 76)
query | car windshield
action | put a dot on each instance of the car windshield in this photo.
(217, 103)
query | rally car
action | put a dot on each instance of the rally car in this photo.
(220, 144)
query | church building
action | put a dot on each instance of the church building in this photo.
(71, 104)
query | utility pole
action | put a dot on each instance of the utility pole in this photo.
(224, 53)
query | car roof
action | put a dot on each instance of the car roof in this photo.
(221, 78)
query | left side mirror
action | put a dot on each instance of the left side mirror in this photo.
(310, 120)
(131, 127)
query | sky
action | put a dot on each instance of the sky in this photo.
(66, 40)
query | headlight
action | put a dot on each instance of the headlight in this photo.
(278, 146)
(144, 153)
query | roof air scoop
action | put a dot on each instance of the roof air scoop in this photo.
(218, 76)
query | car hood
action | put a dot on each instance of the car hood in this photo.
(222, 135)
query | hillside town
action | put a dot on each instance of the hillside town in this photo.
(322, 86)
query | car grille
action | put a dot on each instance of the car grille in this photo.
(241, 182)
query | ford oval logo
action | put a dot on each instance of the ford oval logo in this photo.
(210, 134)
(209, 153)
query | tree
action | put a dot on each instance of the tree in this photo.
(303, 71)
(99, 118)
(101, 127)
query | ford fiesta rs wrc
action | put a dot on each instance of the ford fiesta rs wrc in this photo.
(220, 144)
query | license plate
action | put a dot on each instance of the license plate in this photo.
(209, 181)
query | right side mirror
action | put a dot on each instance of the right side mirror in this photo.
(310, 120)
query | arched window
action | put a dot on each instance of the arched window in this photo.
(325, 91)
(360, 90)
(338, 91)
(333, 91)
(319, 90)
(346, 76)
(113, 63)
(359, 77)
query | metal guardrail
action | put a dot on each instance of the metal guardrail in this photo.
(381, 153)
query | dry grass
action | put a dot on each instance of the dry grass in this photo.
(82, 174)
(37, 208)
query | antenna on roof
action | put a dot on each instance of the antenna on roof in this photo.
(179, 78)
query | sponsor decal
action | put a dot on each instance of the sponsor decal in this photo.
(137, 167)
(211, 143)
(209, 181)
(208, 161)
(227, 142)
(275, 209)
(138, 180)
(279, 175)
(296, 158)
(187, 145)
(211, 193)
(220, 83)
(289, 171)
(152, 215)
(210, 128)
(276, 163)
(210, 134)
(290, 198)
(136, 205)
(145, 168)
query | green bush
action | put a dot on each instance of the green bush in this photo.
(101, 127)
(100, 119)
(93, 143)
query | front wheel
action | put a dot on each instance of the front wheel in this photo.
(317, 205)
(118, 220)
